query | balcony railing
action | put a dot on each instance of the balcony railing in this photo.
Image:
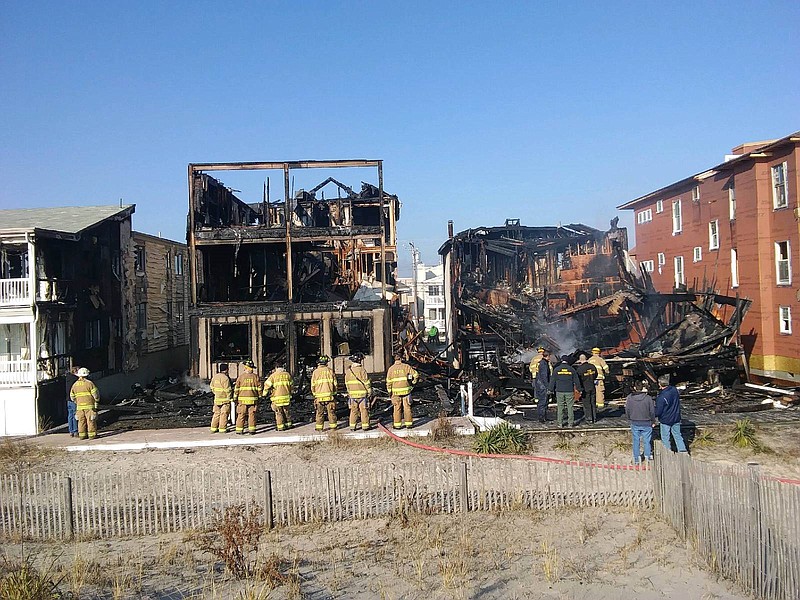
(15, 292)
(15, 373)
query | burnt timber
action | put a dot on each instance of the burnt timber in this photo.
(291, 279)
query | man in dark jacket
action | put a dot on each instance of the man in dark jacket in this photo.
(564, 382)
(668, 411)
(587, 373)
(641, 413)
(541, 385)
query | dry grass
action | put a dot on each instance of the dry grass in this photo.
(19, 456)
(233, 538)
(443, 429)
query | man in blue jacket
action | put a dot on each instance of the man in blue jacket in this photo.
(668, 411)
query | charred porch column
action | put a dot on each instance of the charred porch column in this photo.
(383, 230)
(288, 218)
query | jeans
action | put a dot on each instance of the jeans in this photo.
(645, 434)
(541, 403)
(675, 431)
(72, 422)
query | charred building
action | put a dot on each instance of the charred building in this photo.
(288, 280)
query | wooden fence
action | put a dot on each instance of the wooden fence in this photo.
(52, 506)
(746, 526)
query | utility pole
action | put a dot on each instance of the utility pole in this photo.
(414, 261)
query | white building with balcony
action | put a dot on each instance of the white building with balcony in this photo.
(61, 305)
(429, 296)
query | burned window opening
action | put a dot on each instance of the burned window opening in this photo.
(254, 273)
(13, 263)
(231, 342)
(351, 336)
(309, 341)
(273, 346)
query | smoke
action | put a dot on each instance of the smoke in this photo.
(565, 335)
(195, 383)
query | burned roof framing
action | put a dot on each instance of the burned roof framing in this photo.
(303, 257)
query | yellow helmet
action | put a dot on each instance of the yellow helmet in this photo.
(595, 350)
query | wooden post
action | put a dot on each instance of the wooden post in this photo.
(268, 499)
(757, 558)
(686, 489)
(69, 520)
(463, 489)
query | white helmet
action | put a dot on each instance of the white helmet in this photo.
(83, 372)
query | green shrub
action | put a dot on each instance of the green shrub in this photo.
(744, 435)
(501, 439)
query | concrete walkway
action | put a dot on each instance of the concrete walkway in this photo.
(201, 437)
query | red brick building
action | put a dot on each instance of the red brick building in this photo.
(735, 229)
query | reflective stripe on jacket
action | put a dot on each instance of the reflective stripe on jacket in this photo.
(397, 379)
(599, 362)
(323, 384)
(357, 382)
(247, 388)
(221, 386)
(280, 383)
(85, 394)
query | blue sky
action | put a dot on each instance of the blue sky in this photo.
(546, 112)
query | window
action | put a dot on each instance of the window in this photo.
(434, 290)
(441, 314)
(169, 311)
(431, 314)
(141, 316)
(179, 316)
(697, 255)
(60, 338)
(139, 259)
(734, 268)
(662, 259)
(696, 194)
(644, 216)
(116, 323)
(679, 280)
(732, 199)
(230, 341)
(168, 261)
(351, 336)
(648, 265)
(713, 235)
(780, 195)
(179, 264)
(116, 265)
(785, 319)
(92, 334)
(783, 266)
(677, 221)
(659, 206)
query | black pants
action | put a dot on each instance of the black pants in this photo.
(541, 404)
(589, 406)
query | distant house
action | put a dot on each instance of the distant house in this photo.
(69, 282)
(429, 296)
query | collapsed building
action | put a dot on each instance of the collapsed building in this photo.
(288, 280)
(571, 288)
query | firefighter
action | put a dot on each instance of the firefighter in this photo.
(223, 394)
(602, 372)
(323, 387)
(85, 395)
(566, 386)
(359, 390)
(245, 394)
(587, 373)
(279, 385)
(534, 366)
(400, 379)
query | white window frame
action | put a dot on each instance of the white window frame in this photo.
(780, 186)
(662, 259)
(677, 217)
(713, 235)
(178, 263)
(697, 254)
(139, 259)
(679, 281)
(732, 200)
(696, 194)
(648, 265)
(787, 261)
(785, 319)
(659, 206)
(644, 216)
(734, 268)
